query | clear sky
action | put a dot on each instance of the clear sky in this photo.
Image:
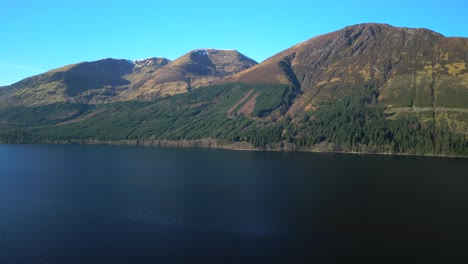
(39, 35)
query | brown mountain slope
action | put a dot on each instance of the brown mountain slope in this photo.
(195, 69)
(409, 67)
(111, 80)
(86, 82)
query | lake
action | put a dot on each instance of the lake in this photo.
(107, 204)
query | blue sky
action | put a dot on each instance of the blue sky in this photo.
(37, 36)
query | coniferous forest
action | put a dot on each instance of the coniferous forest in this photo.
(236, 113)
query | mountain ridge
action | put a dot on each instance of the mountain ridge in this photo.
(365, 88)
(194, 69)
(299, 66)
(379, 55)
(110, 80)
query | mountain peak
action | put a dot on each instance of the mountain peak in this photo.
(328, 65)
(379, 27)
(207, 51)
(153, 61)
(370, 54)
(194, 69)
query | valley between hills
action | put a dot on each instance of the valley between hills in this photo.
(367, 88)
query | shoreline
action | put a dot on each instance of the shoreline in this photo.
(215, 144)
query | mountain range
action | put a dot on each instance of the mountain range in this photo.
(364, 88)
(111, 80)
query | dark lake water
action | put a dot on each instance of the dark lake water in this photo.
(109, 204)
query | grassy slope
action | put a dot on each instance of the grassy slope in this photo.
(201, 113)
(356, 123)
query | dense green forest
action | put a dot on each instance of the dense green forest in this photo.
(356, 123)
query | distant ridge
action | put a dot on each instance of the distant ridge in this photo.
(194, 69)
(110, 80)
(410, 67)
(368, 88)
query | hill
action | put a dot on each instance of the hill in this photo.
(380, 55)
(195, 69)
(369, 88)
(414, 71)
(111, 80)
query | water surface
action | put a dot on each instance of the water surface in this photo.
(104, 204)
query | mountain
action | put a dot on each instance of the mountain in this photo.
(409, 67)
(414, 71)
(197, 68)
(112, 80)
(88, 82)
(369, 88)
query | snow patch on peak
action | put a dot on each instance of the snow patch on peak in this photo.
(143, 62)
(211, 51)
(202, 51)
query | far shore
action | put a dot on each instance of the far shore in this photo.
(237, 146)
